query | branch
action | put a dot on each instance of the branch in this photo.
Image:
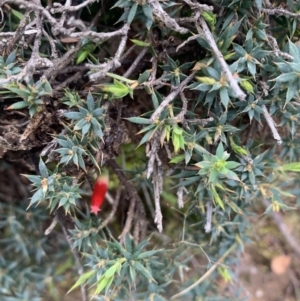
(271, 124)
(219, 56)
(135, 63)
(170, 97)
(132, 193)
(67, 8)
(280, 12)
(207, 274)
(284, 230)
(273, 44)
(115, 62)
(163, 17)
(60, 217)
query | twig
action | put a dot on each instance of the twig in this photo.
(191, 38)
(51, 227)
(67, 8)
(52, 44)
(209, 210)
(180, 116)
(273, 44)
(207, 274)
(113, 211)
(115, 62)
(202, 122)
(135, 63)
(155, 168)
(179, 193)
(170, 97)
(162, 16)
(18, 34)
(157, 180)
(219, 56)
(272, 125)
(129, 219)
(132, 193)
(284, 230)
(60, 218)
(72, 79)
(198, 6)
(280, 12)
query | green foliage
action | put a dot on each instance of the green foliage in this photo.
(8, 66)
(206, 154)
(136, 9)
(32, 95)
(216, 166)
(55, 188)
(89, 118)
(120, 265)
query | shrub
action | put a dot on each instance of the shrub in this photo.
(191, 109)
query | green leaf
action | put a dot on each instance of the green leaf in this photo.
(132, 13)
(147, 11)
(47, 87)
(17, 14)
(147, 254)
(43, 169)
(287, 77)
(201, 149)
(121, 78)
(37, 197)
(139, 120)
(140, 43)
(103, 282)
(11, 58)
(232, 164)
(21, 93)
(132, 273)
(293, 167)
(177, 159)
(128, 243)
(111, 271)
(144, 76)
(74, 115)
(143, 270)
(90, 102)
(220, 150)
(18, 105)
(224, 97)
(232, 175)
(83, 278)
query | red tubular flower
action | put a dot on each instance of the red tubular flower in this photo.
(99, 192)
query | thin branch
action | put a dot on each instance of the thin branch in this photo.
(284, 230)
(162, 16)
(132, 194)
(61, 220)
(155, 168)
(113, 211)
(272, 125)
(219, 56)
(67, 8)
(280, 12)
(135, 63)
(273, 44)
(115, 62)
(209, 210)
(207, 274)
(198, 6)
(171, 97)
(201, 122)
